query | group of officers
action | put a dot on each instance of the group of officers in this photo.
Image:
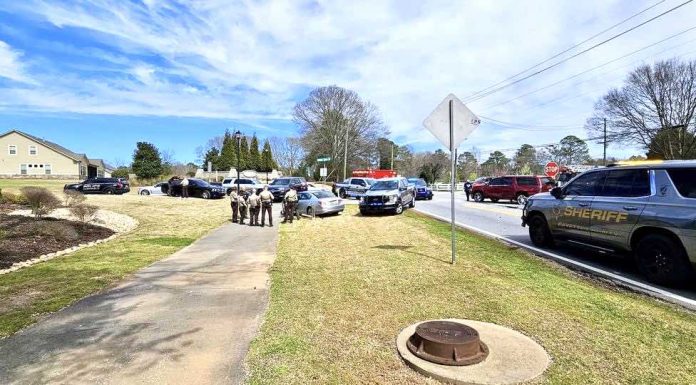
(249, 204)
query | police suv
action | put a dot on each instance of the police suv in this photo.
(648, 209)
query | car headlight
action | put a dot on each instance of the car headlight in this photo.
(393, 198)
(362, 199)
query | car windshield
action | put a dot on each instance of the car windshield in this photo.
(282, 182)
(370, 181)
(323, 194)
(200, 182)
(385, 185)
(418, 182)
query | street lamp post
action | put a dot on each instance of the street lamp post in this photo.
(238, 136)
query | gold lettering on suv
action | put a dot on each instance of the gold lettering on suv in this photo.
(599, 215)
(596, 214)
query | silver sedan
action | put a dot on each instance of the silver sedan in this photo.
(152, 190)
(318, 202)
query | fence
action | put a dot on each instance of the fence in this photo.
(447, 187)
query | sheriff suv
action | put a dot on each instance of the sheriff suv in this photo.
(388, 195)
(100, 186)
(648, 210)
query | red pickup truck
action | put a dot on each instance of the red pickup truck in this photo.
(516, 188)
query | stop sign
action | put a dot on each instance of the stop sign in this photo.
(551, 169)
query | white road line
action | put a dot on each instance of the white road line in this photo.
(642, 287)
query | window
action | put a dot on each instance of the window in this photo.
(357, 182)
(586, 185)
(23, 169)
(304, 196)
(12, 150)
(47, 169)
(501, 182)
(626, 183)
(245, 181)
(546, 180)
(527, 181)
(684, 180)
(32, 150)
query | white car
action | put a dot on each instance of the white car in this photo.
(152, 190)
(245, 184)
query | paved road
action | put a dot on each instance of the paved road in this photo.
(187, 319)
(503, 219)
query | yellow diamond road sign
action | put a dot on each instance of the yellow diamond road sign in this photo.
(463, 121)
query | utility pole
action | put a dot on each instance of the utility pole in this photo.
(605, 141)
(392, 157)
(345, 157)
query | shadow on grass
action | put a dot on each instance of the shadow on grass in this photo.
(407, 249)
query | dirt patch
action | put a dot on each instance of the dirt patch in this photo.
(8, 207)
(23, 238)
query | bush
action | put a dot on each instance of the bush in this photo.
(11, 198)
(40, 200)
(83, 212)
(59, 230)
(73, 197)
(121, 172)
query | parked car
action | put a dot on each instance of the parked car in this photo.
(319, 202)
(421, 188)
(245, 184)
(648, 210)
(157, 189)
(353, 187)
(281, 185)
(388, 195)
(196, 188)
(100, 186)
(516, 188)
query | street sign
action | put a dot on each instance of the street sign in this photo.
(463, 122)
(210, 166)
(551, 169)
(323, 172)
(324, 159)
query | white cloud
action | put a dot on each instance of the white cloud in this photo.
(10, 65)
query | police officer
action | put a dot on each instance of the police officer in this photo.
(254, 206)
(242, 203)
(266, 206)
(234, 204)
(185, 188)
(467, 189)
(290, 200)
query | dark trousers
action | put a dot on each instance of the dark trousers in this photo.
(242, 214)
(266, 208)
(235, 210)
(254, 216)
(467, 194)
(184, 191)
(290, 211)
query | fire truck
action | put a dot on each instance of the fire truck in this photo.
(374, 174)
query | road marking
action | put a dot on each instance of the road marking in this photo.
(633, 284)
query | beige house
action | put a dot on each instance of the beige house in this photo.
(26, 156)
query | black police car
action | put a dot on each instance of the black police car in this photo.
(281, 185)
(100, 186)
(196, 188)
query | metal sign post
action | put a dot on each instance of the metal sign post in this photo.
(451, 123)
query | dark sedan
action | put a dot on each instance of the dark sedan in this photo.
(196, 188)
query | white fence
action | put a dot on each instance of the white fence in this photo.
(447, 187)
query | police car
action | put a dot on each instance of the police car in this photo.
(647, 209)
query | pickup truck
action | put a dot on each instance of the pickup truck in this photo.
(353, 187)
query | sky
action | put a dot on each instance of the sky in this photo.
(98, 76)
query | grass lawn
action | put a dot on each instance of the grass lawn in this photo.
(343, 288)
(166, 225)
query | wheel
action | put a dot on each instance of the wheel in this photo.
(342, 193)
(110, 192)
(521, 199)
(205, 195)
(494, 200)
(662, 260)
(413, 202)
(399, 209)
(144, 192)
(430, 197)
(539, 231)
(478, 196)
(363, 212)
(310, 212)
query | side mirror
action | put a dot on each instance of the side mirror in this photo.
(557, 192)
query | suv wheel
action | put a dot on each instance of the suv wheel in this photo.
(144, 192)
(310, 212)
(110, 192)
(413, 202)
(521, 199)
(205, 195)
(662, 260)
(539, 231)
(399, 208)
(478, 196)
(342, 193)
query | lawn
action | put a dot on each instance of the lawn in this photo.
(166, 225)
(340, 296)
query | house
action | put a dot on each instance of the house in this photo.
(26, 156)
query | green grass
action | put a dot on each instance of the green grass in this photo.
(335, 312)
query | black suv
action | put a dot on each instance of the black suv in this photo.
(281, 185)
(196, 188)
(100, 186)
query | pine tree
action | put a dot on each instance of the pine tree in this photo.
(213, 156)
(228, 153)
(244, 155)
(147, 162)
(267, 162)
(254, 156)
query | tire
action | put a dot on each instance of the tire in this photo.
(109, 192)
(363, 212)
(494, 200)
(342, 193)
(413, 202)
(539, 232)
(662, 260)
(205, 195)
(144, 192)
(310, 212)
(430, 198)
(478, 196)
(521, 199)
(399, 209)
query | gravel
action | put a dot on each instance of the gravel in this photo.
(119, 223)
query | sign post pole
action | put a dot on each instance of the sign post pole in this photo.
(452, 179)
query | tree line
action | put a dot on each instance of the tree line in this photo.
(224, 153)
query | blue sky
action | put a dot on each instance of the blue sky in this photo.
(98, 76)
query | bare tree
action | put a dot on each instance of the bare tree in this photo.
(287, 152)
(214, 142)
(654, 109)
(335, 122)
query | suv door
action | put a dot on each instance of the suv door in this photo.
(571, 214)
(619, 204)
(499, 188)
(357, 186)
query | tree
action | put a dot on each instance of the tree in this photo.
(288, 153)
(386, 152)
(147, 163)
(525, 160)
(228, 153)
(121, 172)
(254, 155)
(212, 157)
(244, 154)
(467, 165)
(267, 164)
(435, 166)
(496, 164)
(216, 142)
(337, 123)
(654, 109)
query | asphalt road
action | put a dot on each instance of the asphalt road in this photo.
(503, 220)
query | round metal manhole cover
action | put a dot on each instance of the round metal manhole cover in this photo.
(447, 343)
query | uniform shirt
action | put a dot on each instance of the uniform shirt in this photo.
(185, 182)
(241, 199)
(233, 196)
(254, 200)
(266, 196)
(291, 196)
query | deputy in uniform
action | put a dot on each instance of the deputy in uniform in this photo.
(290, 200)
(242, 202)
(234, 204)
(266, 206)
(254, 207)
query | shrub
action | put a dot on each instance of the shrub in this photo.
(83, 212)
(40, 200)
(121, 172)
(59, 230)
(11, 198)
(73, 197)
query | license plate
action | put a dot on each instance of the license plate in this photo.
(376, 204)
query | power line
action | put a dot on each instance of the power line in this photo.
(497, 89)
(567, 50)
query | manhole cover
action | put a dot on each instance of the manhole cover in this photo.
(447, 343)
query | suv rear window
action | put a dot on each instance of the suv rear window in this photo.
(527, 181)
(685, 181)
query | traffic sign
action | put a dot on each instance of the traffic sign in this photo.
(551, 169)
(462, 123)
(324, 159)
(323, 172)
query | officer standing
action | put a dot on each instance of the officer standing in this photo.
(234, 204)
(254, 207)
(266, 206)
(242, 204)
(290, 204)
(467, 189)
(184, 188)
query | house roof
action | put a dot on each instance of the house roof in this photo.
(100, 162)
(53, 146)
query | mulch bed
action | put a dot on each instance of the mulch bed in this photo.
(8, 207)
(24, 238)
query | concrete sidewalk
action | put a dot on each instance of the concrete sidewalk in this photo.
(187, 319)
